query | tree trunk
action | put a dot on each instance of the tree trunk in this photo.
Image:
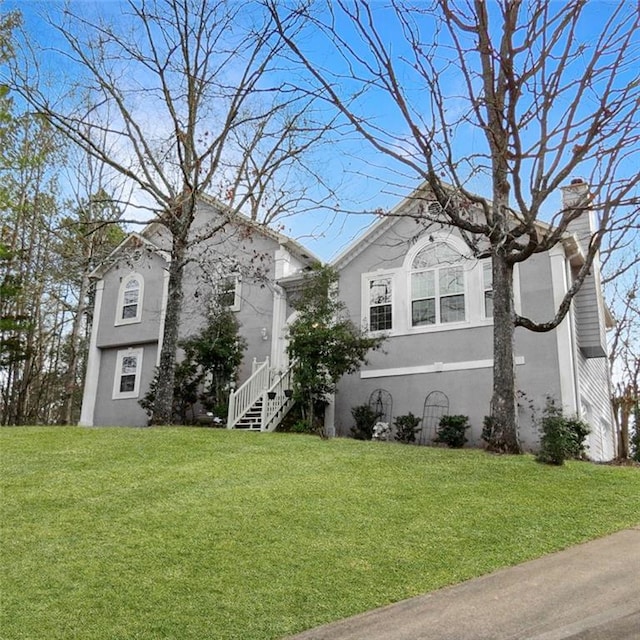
(622, 407)
(623, 452)
(163, 403)
(71, 384)
(503, 402)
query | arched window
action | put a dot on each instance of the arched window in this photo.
(130, 299)
(437, 286)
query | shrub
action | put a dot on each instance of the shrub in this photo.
(213, 354)
(562, 438)
(365, 418)
(300, 426)
(451, 431)
(406, 428)
(293, 422)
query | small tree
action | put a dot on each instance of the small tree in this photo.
(211, 360)
(324, 343)
(635, 438)
(12, 325)
(217, 351)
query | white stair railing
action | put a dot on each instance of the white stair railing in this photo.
(243, 398)
(277, 400)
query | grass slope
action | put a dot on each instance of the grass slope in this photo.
(195, 533)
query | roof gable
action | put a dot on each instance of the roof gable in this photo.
(234, 217)
(132, 242)
(385, 221)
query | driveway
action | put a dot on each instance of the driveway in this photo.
(587, 592)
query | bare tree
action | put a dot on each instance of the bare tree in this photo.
(86, 235)
(621, 279)
(539, 100)
(194, 101)
(29, 210)
(624, 357)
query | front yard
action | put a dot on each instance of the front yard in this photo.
(196, 534)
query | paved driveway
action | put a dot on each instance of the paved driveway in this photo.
(587, 592)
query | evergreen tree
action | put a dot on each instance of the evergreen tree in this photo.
(324, 344)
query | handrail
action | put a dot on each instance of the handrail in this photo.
(245, 396)
(275, 408)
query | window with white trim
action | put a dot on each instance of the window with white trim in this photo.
(129, 309)
(487, 285)
(437, 286)
(228, 291)
(126, 383)
(380, 297)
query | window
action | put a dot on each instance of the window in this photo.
(126, 382)
(228, 292)
(437, 286)
(487, 284)
(129, 308)
(380, 307)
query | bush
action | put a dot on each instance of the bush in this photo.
(562, 438)
(365, 418)
(293, 422)
(451, 431)
(406, 428)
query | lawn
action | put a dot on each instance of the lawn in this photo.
(201, 534)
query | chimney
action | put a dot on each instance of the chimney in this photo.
(577, 195)
(588, 302)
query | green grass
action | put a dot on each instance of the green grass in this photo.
(205, 534)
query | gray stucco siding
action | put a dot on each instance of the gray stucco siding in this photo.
(536, 291)
(254, 316)
(152, 271)
(115, 412)
(251, 257)
(459, 345)
(539, 378)
(469, 394)
(455, 359)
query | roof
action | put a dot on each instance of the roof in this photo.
(294, 247)
(145, 237)
(385, 221)
(133, 239)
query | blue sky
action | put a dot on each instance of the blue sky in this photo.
(368, 180)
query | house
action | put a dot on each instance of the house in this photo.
(230, 256)
(416, 284)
